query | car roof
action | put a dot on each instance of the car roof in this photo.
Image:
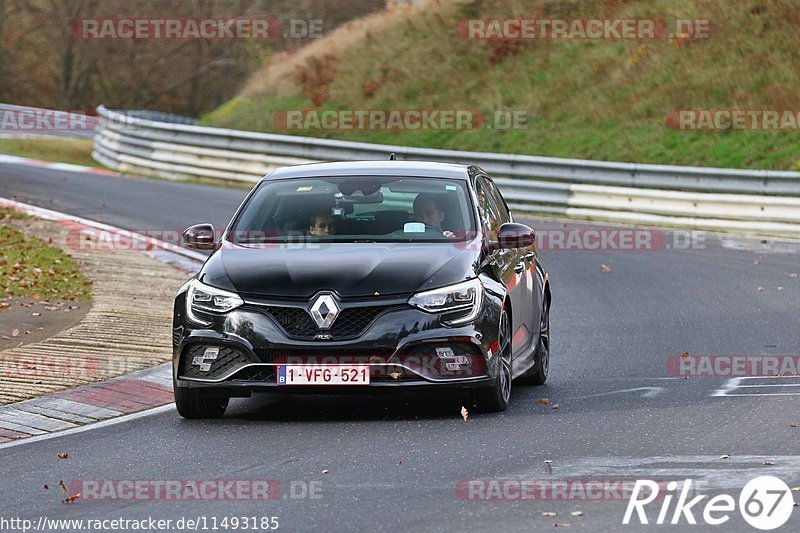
(374, 168)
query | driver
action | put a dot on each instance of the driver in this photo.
(429, 210)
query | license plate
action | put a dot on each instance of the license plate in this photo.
(323, 375)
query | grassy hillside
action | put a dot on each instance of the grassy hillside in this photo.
(601, 99)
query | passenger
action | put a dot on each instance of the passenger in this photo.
(429, 210)
(321, 224)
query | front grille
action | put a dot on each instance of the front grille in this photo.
(323, 355)
(351, 322)
(227, 359)
(255, 373)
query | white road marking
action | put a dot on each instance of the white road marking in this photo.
(650, 392)
(734, 385)
(712, 471)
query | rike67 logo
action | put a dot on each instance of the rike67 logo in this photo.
(765, 503)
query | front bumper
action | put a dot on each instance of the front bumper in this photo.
(404, 347)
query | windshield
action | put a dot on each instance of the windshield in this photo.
(356, 209)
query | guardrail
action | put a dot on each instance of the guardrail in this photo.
(750, 201)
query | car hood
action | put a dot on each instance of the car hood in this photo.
(351, 270)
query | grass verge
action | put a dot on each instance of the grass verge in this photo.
(33, 268)
(73, 151)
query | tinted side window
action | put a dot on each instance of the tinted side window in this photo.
(502, 210)
(487, 210)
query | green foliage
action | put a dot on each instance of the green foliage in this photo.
(603, 99)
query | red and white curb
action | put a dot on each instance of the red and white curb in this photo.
(88, 404)
(63, 167)
(181, 258)
(114, 399)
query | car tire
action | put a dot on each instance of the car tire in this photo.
(197, 403)
(496, 398)
(537, 374)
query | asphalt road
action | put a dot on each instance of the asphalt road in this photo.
(390, 463)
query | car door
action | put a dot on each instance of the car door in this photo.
(526, 306)
(508, 265)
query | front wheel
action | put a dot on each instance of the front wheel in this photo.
(495, 398)
(196, 403)
(537, 374)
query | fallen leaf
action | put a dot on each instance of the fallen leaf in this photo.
(63, 486)
(63, 455)
(685, 355)
(605, 268)
(401, 461)
(543, 401)
(71, 499)
(576, 513)
(15, 333)
(794, 425)
(724, 456)
(556, 406)
(46, 487)
(548, 513)
(4, 305)
(565, 524)
(464, 413)
(769, 463)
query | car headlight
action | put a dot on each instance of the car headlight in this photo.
(466, 296)
(201, 297)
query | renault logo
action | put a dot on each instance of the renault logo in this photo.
(324, 311)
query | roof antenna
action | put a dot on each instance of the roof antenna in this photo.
(392, 157)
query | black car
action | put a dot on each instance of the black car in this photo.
(344, 277)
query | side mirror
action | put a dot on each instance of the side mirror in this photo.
(512, 235)
(200, 237)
